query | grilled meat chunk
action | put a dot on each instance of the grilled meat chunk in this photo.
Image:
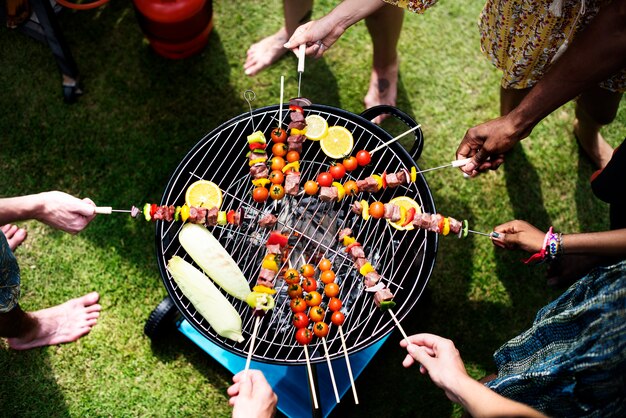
(292, 183)
(268, 221)
(382, 295)
(368, 184)
(346, 232)
(328, 194)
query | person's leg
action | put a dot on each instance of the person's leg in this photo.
(14, 235)
(595, 108)
(268, 50)
(384, 26)
(63, 323)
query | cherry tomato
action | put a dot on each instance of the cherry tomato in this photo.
(320, 329)
(278, 135)
(313, 298)
(350, 163)
(260, 194)
(337, 318)
(337, 171)
(317, 313)
(334, 304)
(277, 177)
(300, 320)
(292, 276)
(277, 192)
(279, 149)
(298, 305)
(293, 156)
(294, 291)
(327, 276)
(324, 264)
(331, 290)
(309, 284)
(311, 188)
(363, 157)
(377, 210)
(304, 336)
(351, 188)
(325, 179)
(277, 163)
(307, 270)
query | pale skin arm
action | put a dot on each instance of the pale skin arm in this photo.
(524, 236)
(597, 53)
(56, 209)
(326, 30)
(251, 395)
(439, 358)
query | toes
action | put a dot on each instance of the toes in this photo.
(89, 299)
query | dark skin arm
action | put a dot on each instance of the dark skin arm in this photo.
(595, 54)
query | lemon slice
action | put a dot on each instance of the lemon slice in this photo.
(405, 204)
(337, 143)
(316, 127)
(203, 193)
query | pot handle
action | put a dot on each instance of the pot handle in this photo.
(418, 144)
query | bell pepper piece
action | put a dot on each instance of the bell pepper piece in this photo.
(446, 226)
(410, 214)
(257, 137)
(264, 289)
(387, 304)
(365, 213)
(270, 262)
(277, 238)
(146, 212)
(184, 212)
(341, 192)
(256, 161)
(379, 180)
(465, 230)
(352, 244)
(257, 146)
(295, 166)
(295, 108)
(384, 179)
(366, 268)
(260, 300)
(153, 208)
(295, 131)
(221, 218)
(440, 225)
(230, 216)
(177, 213)
(262, 182)
(413, 174)
(347, 240)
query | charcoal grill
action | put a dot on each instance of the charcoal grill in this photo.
(405, 259)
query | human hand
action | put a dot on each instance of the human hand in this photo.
(519, 235)
(251, 395)
(439, 358)
(317, 35)
(487, 143)
(65, 212)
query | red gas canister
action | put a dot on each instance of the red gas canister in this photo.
(176, 28)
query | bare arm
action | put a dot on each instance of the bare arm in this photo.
(439, 358)
(56, 209)
(594, 55)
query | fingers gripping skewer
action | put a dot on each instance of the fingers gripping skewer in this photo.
(345, 353)
(311, 382)
(330, 369)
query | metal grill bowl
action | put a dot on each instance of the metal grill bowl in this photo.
(404, 259)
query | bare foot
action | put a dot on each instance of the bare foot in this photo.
(15, 235)
(383, 88)
(595, 146)
(266, 52)
(63, 323)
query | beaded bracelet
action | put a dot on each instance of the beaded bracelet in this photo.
(541, 255)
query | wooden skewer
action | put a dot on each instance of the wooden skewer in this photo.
(257, 321)
(399, 326)
(378, 148)
(345, 353)
(280, 104)
(311, 382)
(330, 369)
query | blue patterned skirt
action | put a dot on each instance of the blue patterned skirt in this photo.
(9, 277)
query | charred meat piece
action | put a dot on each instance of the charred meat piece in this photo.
(296, 117)
(402, 176)
(396, 215)
(388, 210)
(368, 184)
(266, 283)
(356, 208)
(346, 232)
(360, 262)
(300, 101)
(356, 251)
(294, 142)
(211, 217)
(268, 221)
(382, 295)
(328, 194)
(267, 275)
(371, 279)
(297, 125)
(256, 156)
(392, 180)
(259, 171)
(455, 226)
(292, 183)
(273, 249)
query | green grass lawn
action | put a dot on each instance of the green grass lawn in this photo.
(139, 116)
